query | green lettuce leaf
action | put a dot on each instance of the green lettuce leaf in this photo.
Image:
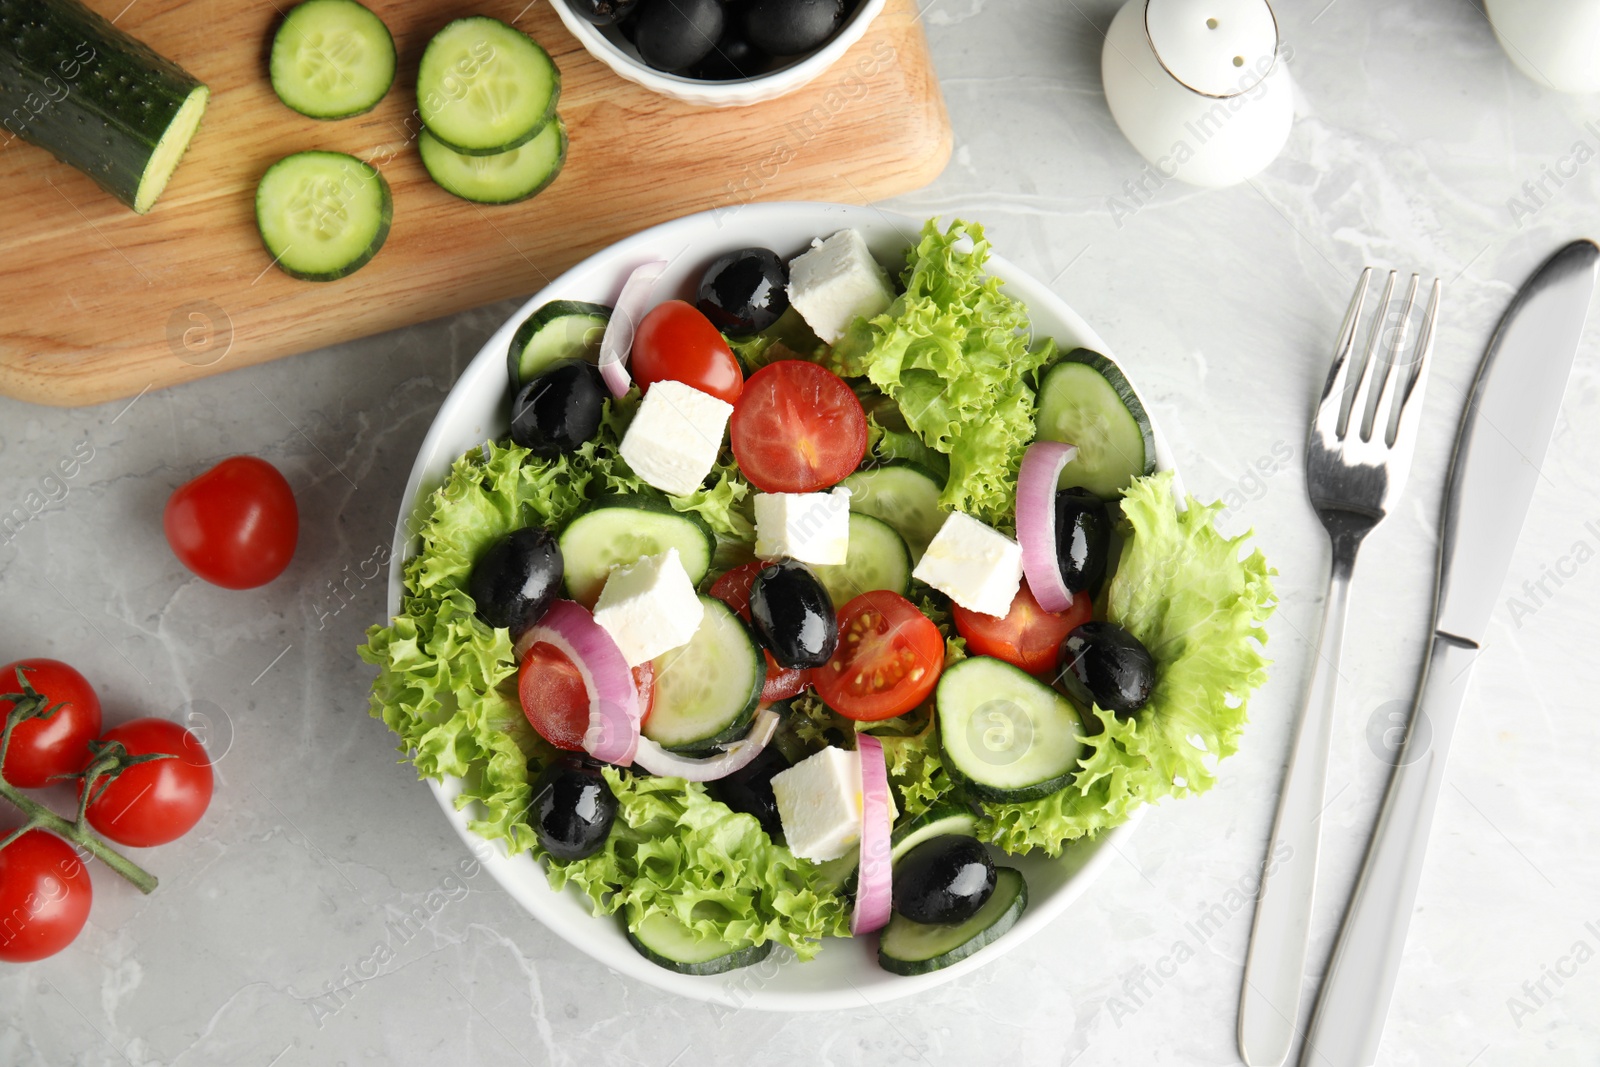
(952, 351)
(1184, 591)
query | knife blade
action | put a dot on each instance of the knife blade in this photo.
(1505, 433)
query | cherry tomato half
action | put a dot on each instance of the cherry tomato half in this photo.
(45, 895)
(236, 525)
(797, 428)
(890, 656)
(733, 589)
(556, 701)
(1028, 637)
(676, 342)
(43, 748)
(159, 801)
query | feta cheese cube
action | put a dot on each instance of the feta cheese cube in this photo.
(649, 607)
(835, 281)
(810, 527)
(819, 804)
(975, 565)
(675, 436)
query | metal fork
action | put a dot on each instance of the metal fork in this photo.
(1357, 457)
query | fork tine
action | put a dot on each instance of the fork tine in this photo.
(1333, 393)
(1391, 387)
(1358, 403)
(1402, 436)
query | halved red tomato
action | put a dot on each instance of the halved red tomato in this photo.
(676, 342)
(1028, 636)
(797, 428)
(889, 658)
(556, 701)
(733, 589)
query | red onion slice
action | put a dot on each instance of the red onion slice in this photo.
(1036, 521)
(613, 733)
(657, 760)
(617, 340)
(874, 882)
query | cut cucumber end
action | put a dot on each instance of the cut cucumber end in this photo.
(168, 152)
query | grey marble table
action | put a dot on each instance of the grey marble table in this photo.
(1417, 145)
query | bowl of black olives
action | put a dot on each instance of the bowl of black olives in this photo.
(718, 53)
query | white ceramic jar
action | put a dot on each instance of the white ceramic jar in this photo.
(1200, 87)
(1554, 42)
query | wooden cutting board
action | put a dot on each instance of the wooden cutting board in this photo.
(97, 303)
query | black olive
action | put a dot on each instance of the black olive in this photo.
(573, 809)
(749, 789)
(1101, 663)
(945, 879)
(793, 614)
(558, 410)
(673, 34)
(745, 291)
(789, 27)
(604, 12)
(1083, 539)
(732, 57)
(516, 579)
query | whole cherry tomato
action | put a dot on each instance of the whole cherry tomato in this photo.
(236, 525)
(43, 748)
(45, 895)
(158, 801)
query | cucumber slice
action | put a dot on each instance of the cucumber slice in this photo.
(1084, 400)
(907, 947)
(558, 331)
(707, 691)
(878, 559)
(322, 215)
(503, 178)
(666, 942)
(1005, 734)
(485, 87)
(904, 495)
(947, 819)
(624, 528)
(331, 59)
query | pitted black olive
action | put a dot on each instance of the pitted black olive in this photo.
(573, 809)
(790, 27)
(745, 291)
(516, 579)
(1101, 663)
(749, 789)
(945, 879)
(558, 410)
(793, 614)
(1083, 539)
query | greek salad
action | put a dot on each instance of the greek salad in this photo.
(790, 612)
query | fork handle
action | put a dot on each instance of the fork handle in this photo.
(1366, 959)
(1269, 1003)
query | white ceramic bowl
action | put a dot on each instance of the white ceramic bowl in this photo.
(607, 44)
(845, 973)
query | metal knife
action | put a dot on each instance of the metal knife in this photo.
(1505, 432)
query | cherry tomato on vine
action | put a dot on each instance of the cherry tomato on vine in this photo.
(555, 700)
(45, 895)
(158, 801)
(733, 589)
(1028, 636)
(236, 525)
(43, 748)
(676, 342)
(797, 428)
(889, 658)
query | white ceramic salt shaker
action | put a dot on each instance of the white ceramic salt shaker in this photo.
(1199, 86)
(1554, 42)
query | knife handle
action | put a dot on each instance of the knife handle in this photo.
(1356, 991)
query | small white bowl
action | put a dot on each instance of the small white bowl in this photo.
(607, 44)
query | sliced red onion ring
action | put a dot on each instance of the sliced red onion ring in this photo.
(874, 883)
(613, 733)
(657, 760)
(617, 340)
(1036, 521)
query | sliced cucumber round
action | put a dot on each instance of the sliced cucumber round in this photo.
(878, 559)
(503, 178)
(322, 215)
(936, 822)
(1006, 735)
(623, 529)
(707, 691)
(1084, 400)
(558, 331)
(666, 942)
(485, 87)
(907, 947)
(331, 59)
(904, 495)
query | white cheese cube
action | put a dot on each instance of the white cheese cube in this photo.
(836, 281)
(810, 527)
(819, 804)
(649, 607)
(675, 436)
(975, 565)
